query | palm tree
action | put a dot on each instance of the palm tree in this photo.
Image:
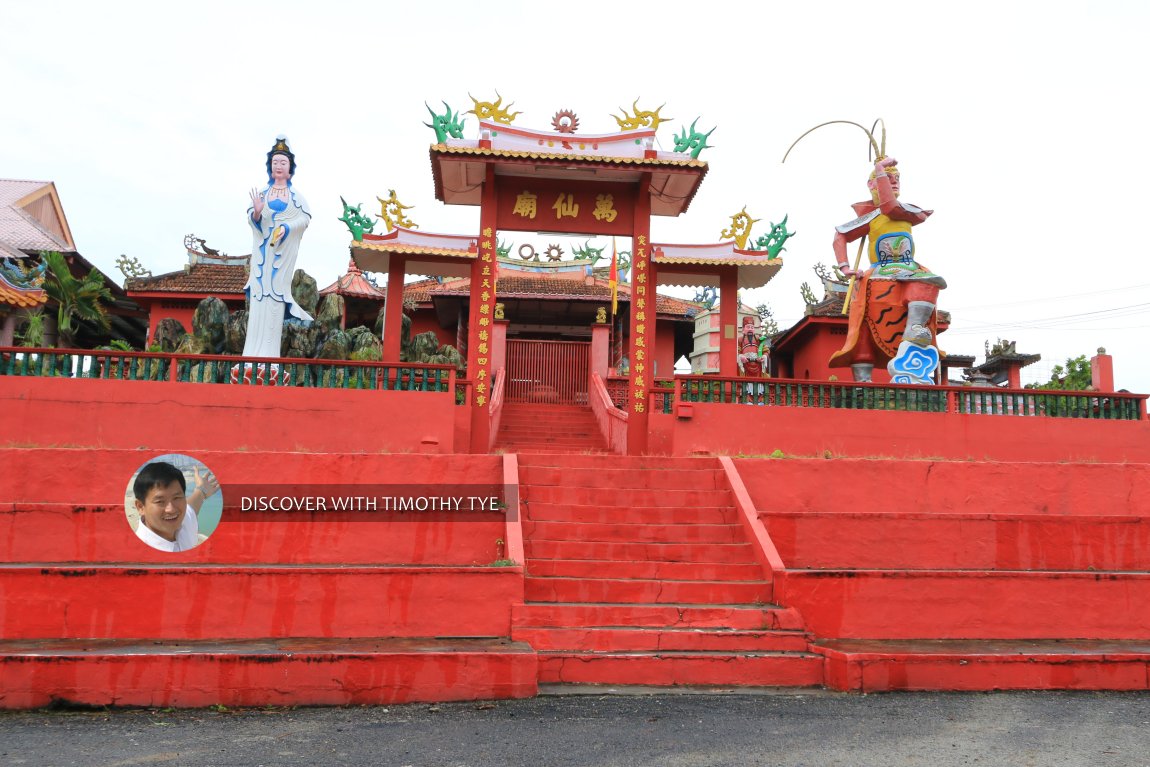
(75, 299)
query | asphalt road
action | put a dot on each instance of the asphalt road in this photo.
(810, 729)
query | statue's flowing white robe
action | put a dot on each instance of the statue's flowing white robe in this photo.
(275, 246)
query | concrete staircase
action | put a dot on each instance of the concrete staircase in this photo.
(639, 573)
(540, 427)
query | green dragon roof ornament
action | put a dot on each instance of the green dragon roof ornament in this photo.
(587, 253)
(357, 223)
(692, 141)
(445, 125)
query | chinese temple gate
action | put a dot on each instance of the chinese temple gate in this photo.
(564, 183)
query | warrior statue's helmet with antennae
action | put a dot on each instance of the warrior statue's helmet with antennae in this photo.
(875, 152)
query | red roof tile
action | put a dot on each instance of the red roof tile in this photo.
(354, 284)
(196, 278)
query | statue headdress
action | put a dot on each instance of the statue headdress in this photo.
(875, 152)
(281, 146)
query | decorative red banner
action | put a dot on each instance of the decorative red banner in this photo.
(642, 330)
(479, 366)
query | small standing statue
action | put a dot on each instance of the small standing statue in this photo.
(279, 216)
(753, 349)
(894, 298)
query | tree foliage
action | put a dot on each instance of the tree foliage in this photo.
(1074, 376)
(76, 299)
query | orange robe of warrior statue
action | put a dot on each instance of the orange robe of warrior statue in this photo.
(892, 312)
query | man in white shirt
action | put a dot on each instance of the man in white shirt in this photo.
(167, 515)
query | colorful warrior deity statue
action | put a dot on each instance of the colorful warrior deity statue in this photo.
(892, 314)
(279, 215)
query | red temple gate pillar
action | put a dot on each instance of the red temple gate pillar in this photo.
(729, 321)
(641, 349)
(393, 308)
(481, 318)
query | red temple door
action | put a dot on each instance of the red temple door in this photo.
(548, 371)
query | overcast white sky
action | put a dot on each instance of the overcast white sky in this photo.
(1023, 125)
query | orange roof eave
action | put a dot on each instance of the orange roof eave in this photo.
(509, 154)
(22, 299)
(403, 249)
(718, 261)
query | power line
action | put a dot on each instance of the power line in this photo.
(1065, 319)
(988, 328)
(1044, 299)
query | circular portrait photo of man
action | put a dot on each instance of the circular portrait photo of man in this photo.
(173, 502)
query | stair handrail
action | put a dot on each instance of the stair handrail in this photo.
(765, 550)
(611, 420)
(496, 406)
(513, 545)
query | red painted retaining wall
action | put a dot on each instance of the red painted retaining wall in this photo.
(66, 505)
(748, 429)
(980, 541)
(803, 484)
(906, 604)
(187, 416)
(65, 533)
(228, 602)
(66, 475)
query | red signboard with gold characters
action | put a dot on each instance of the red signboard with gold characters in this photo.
(481, 369)
(583, 207)
(642, 307)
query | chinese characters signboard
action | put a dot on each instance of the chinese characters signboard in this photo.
(579, 207)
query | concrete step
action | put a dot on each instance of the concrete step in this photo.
(731, 553)
(631, 463)
(552, 442)
(603, 496)
(630, 639)
(550, 419)
(555, 589)
(529, 450)
(648, 515)
(633, 533)
(537, 434)
(679, 571)
(620, 478)
(179, 601)
(667, 669)
(870, 665)
(262, 672)
(729, 616)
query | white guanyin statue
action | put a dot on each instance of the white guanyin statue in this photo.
(279, 215)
